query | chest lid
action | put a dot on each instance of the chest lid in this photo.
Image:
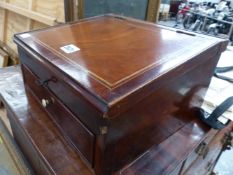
(112, 57)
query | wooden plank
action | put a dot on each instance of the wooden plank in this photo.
(2, 23)
(153, 10)
(19, 3)
(12, 54)
(52, 8)
(15, 23)
(80, 9)
(70, 7)
(38, 25)
(23, 15)
(11, 158)
(3, 28)
(29, 13)
(30, 7)
(3, 117)
(3, 58)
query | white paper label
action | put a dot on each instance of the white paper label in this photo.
(25, 35)
(70, 48)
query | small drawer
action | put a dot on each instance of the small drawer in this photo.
(82, 139)
(66, 93)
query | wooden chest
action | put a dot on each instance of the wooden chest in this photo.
(117, 86)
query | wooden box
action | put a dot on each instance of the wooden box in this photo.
(117, 86)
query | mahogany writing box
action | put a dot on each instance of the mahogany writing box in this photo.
(117, 86)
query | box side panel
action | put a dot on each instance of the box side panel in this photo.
(158, 116)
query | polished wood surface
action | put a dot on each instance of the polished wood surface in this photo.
(46, 145)
(145, 104)
(118, 56)
(114, 50)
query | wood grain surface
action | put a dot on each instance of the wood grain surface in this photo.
(130, 85)
(117, 55)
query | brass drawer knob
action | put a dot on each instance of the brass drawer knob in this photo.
(45, 102)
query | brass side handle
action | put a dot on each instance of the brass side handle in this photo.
(202, 150)
(227, 141)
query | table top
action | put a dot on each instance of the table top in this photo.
(57, 153)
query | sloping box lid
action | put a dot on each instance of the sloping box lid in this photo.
(113, 58)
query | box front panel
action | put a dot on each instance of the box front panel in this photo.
(67, 93)
(75, 132)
